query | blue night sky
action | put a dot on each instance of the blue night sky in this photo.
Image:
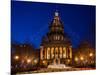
(30, 21)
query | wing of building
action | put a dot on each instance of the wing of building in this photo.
(56, 47)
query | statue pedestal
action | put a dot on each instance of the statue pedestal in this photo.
(57, 66)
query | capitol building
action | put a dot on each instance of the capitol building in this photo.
(56, 47)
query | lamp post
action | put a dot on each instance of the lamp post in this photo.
(16, 57)
(28, 61)
(82, 60)
(76, 59)
(35, 61)
(91, 54)
(16, 61)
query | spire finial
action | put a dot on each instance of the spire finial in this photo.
(56, 13)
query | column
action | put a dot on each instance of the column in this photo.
(52, 52)
(41, 52)
(48, 53)
(60, 52)
(56, 50)
(58, 61)
(70, 50)
(45, 55)
(66, 52)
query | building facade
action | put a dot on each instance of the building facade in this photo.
(56, 47)
(84, 55)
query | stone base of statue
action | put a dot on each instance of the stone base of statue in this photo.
(57, 65)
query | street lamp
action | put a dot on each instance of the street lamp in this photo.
(68, 61)
(76, 59)
(44, 62)
(82, 62)
(28, 60)
(91, 54)
(91, 58)
(16, 57)
(35, 61)
(81, 58)
(64, 56)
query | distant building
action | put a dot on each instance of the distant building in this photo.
(56, 47)
(22, 53)
(84, 55)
